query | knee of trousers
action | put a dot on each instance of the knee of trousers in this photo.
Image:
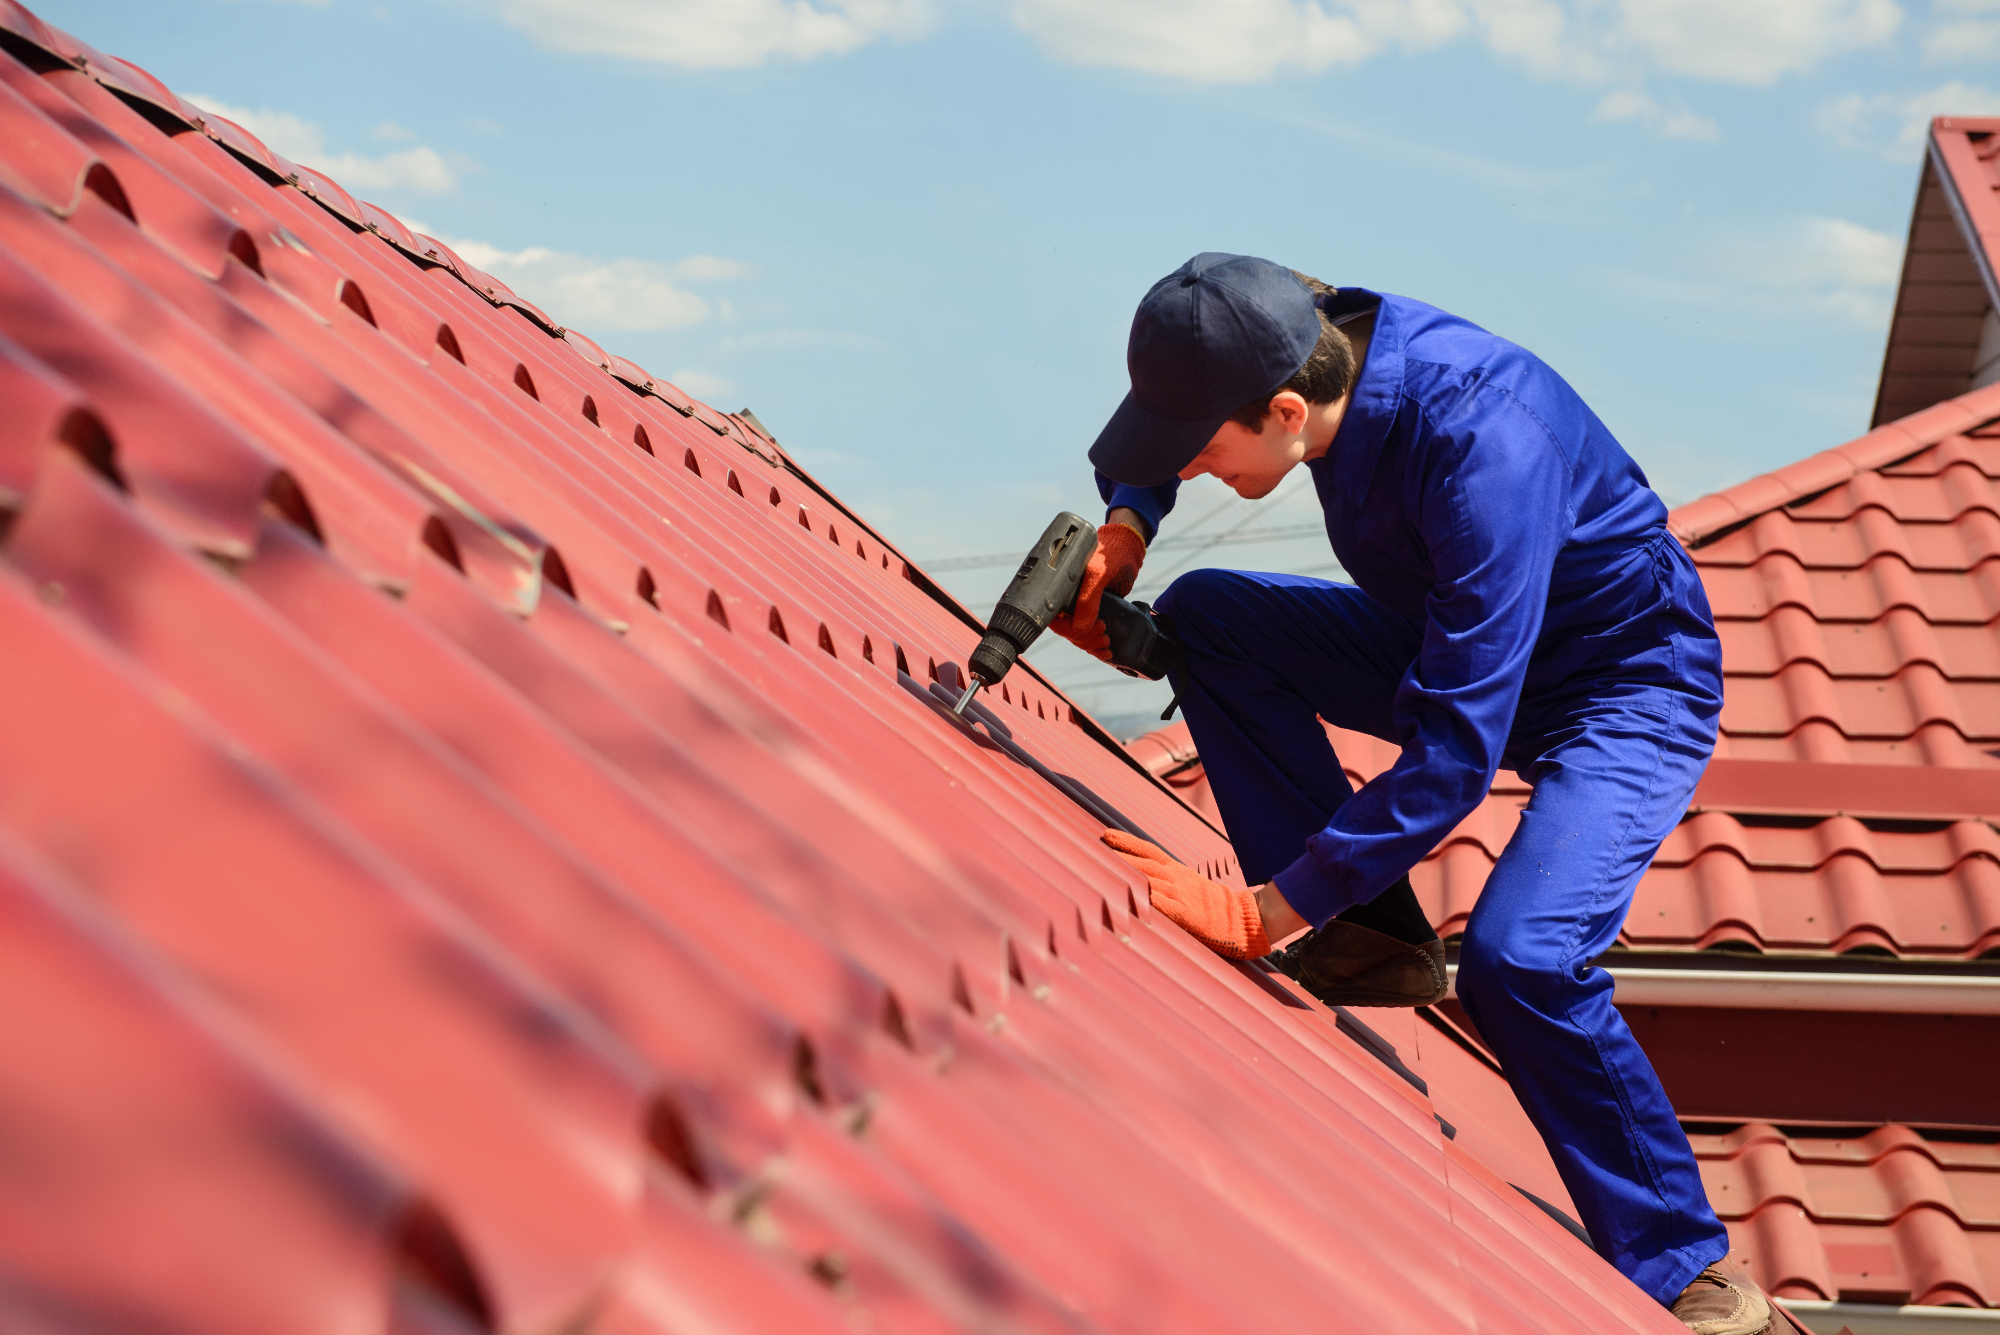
(1503, 975)
(1199, 604)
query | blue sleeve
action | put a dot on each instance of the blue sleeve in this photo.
(1152, 503)
(1493, 512)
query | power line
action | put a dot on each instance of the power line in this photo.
(1229, 538)
(1159, 577)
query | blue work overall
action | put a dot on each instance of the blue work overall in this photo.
(1520, 604)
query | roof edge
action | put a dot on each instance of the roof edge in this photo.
(1701, 521)
(1978, 218)
(1925, 175)
(1949, 163)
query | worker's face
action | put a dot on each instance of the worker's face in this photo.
(1253, 463)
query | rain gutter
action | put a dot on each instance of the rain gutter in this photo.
(1825, 1318)
(1802, 990)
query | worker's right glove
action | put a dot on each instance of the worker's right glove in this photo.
(1113, 568)
(1225, 920)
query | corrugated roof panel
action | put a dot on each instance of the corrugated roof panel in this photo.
(555, 782)
(152, 1146)
(454, 1058)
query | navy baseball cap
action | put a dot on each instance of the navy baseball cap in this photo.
(1208, 338)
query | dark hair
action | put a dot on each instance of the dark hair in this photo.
(1327, 374)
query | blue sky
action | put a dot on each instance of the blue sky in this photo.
(910, 233)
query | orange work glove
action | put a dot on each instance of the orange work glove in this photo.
(1114, 566)
(1227, 921)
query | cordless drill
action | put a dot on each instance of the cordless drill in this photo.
(1044, 588)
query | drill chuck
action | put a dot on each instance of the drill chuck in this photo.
(1045, 587)
(1009, 632)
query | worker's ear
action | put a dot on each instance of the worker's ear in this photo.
(1288, 412)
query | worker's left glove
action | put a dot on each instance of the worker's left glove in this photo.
(1225, 920)
(1112, 568)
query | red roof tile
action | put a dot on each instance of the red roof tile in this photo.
(1862, 622)
(483, 849)
(1721, 879)
(1882, 1216)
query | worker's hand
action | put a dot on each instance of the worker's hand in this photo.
(1114, 568)
(1227, 921)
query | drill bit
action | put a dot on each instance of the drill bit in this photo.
(971, 689)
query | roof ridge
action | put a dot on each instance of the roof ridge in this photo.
(1703, 520)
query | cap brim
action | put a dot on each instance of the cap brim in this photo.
(1143, 449)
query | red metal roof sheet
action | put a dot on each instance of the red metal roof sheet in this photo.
(480, 838)
(1874, 1216)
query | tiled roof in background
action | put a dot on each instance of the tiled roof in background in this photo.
(481, 849)
(1875, 1216)
(1824, 885)
(1860, 605)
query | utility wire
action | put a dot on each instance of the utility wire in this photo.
(1279, 533)
(991, 559)
(1159, 577)
(1157, 580)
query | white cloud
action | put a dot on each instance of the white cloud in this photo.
(1897, 124)
(1822, 267)
(710, 268)
(421, 169)
(594, 294)
(1542, 35)
(786, 339)
(1964, 39)
(715, 34)
(1808, 269)
(1839, 268)
(1751, 41)
(1633, 106)
(1976, 36)
(281, 131)
(1232, 41)
(704, 385)
(1588, 41)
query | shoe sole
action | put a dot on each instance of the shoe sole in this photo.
(1402, 999)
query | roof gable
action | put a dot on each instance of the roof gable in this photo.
(1944, 338)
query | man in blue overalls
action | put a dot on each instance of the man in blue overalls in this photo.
(1519, 603)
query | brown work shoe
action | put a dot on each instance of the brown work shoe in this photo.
(1725, 1301)
(1346, 964)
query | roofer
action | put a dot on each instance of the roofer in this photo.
(1517, 601)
